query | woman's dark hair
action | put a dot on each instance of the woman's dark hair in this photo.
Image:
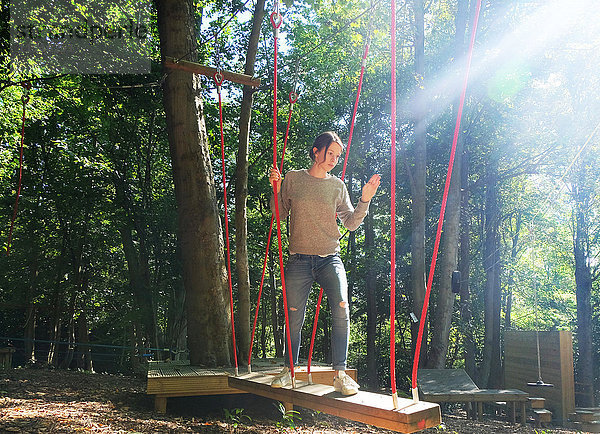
(323, 141)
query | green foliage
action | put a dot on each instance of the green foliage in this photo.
(289, 419)
(236, 417)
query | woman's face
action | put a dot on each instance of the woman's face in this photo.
(327, 159)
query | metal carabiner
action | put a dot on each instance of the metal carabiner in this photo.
(218, 78)
(276, 20)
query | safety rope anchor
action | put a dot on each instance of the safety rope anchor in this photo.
(276, 20)
(415, 394)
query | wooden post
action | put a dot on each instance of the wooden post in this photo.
(196, 68)
(160, 404)
(6, 357)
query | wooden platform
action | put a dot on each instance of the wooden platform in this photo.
(454, 385)
(166, 380)
(370, 408)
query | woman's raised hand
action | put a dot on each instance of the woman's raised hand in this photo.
(369, 189)
(275, 177)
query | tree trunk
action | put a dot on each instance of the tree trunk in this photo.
(418, 270)
(70, 350)
(496, 371)
(57, 308)
(31, 310)
(263, 332)
(442, 318)
(199, 229)
(491, 358)
(583, 281)
(510, 284)
(241, 190)
(465, 270)
(84, 361)
(370, 288)
(176, 321)
(135, 349)
(140, 287)
(29, 333)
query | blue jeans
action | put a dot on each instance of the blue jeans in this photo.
(300, 273)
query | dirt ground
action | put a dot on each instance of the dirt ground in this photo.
(58, 401)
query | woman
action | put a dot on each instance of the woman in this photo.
(313, 198)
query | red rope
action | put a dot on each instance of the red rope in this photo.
(444, 198)
(262, 281)
(276, 20)
(393, 204)
(24, 100)
(314, 331)
(360, 82)
(293, 97)
(218, 78)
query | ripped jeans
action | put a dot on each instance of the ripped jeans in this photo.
(300, 273)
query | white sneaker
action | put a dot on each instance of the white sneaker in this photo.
(345, 384)
(284, 378)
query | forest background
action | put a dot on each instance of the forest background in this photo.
(105, 272)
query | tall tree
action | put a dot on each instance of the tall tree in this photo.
(241, 188)
(442, 316)
(418, 178)
(199, 229)
(465, 270)
(491, 368)
(582, 200)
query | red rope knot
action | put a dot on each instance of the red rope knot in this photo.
(276, 20)
(293, 97)
(218, 79)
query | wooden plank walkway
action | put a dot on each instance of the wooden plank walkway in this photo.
(172, 379)
(370, 408)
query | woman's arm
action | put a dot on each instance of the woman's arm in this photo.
(370, 188)
(276, 178)
(351, 217)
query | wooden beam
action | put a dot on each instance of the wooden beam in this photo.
(370, 408)
(196, 68)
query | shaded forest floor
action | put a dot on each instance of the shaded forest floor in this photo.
(57, 401)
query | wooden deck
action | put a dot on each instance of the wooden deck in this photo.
(166, 380)
(172, 379)
(370, 408)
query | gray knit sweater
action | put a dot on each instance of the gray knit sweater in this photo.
(312, 204)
